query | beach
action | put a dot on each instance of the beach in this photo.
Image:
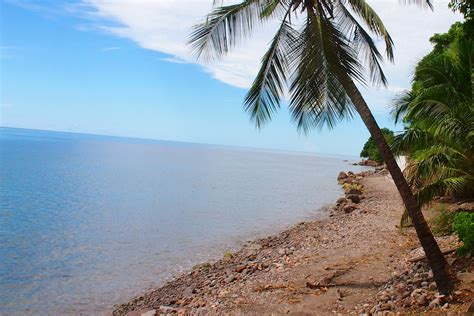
(334, 265)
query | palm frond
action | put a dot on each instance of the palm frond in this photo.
(225, 26)
(263, 98)
(375, 24)
(364, 44)
(317, 97)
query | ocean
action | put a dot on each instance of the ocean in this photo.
(89, 221)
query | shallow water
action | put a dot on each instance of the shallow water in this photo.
(88, 221)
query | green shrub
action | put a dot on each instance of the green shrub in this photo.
(371, 151)
(442, 223)
(348, 186)
(463, 226)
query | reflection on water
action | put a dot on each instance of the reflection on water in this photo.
(89, 221)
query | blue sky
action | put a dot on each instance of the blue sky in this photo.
(122, 68)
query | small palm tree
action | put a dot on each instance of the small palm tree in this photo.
(439, 113)
(320, 49)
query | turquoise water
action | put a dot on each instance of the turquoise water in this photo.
(88, 221)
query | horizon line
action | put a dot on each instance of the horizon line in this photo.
(271, 149)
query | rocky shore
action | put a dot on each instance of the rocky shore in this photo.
(356, 261)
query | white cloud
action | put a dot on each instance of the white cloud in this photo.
(164, 26)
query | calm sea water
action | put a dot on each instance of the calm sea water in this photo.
(87, 221)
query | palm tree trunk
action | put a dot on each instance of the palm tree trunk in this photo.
(435, 258)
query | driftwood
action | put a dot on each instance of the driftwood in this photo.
(445, 252)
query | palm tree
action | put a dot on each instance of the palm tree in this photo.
(439, 113)
(316, 55)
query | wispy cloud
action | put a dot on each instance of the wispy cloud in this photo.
(175, 60)
(109, 49)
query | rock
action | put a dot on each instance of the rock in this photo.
(434, 303)
(432, 286)
(349, 208)
(240, 268)
(281, 252)
(354, 198)
(424, 284)
(466, 277)
(354, 191)
(230, 279)
(151, 312)
(189, 291)
(342, 200)
(421, 301)
(342, 175)
(166, 310)
(417, 281)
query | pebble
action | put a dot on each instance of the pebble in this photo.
(149, 313)
(434, 303)
(230, 279)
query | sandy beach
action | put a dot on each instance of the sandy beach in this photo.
(341, 264)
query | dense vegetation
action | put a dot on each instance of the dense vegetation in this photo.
(370, 149)
(438, 113)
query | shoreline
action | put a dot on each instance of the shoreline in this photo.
(358, 243)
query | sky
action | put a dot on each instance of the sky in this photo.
(122, 67)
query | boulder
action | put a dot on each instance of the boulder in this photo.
(341, 201)
(342, 175)
(349, 208)
(354, 191)
(354, 198)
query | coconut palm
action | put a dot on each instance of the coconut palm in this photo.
(319, 52)
(439, 113)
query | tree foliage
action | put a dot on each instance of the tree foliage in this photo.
(316, 44)
(370, 149)
(466, 7)
(439, 115)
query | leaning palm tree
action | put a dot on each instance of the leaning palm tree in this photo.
(319, 51)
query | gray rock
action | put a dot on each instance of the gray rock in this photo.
(189, 291)
(230, 279)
